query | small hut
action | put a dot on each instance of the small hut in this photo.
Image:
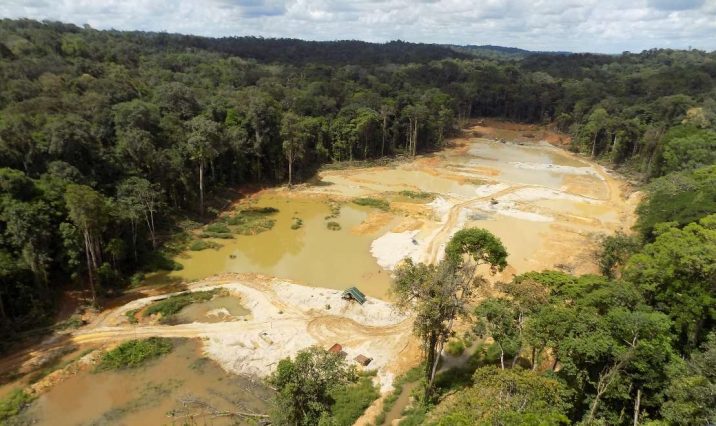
(338, 349)
(363, 360)
(354, 294)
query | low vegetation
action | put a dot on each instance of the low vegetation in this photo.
(333, 226)
(297, 223)
(372, 202)
(417, 195)
(173, 304)
(351, 400)
(12, 404)
(335, 210)
(134, 353)
(455, 347)
(132, 316)
(200, 245)
(251, 221)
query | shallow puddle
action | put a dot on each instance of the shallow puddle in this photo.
(218, 309)
(312, 254)
(180, 388)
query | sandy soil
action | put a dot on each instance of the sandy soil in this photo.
(285, 318)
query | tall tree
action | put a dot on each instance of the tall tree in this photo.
(87, 209)
(294, 140)
(440, 294)
(203, 145)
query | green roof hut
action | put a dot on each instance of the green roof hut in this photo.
(354, 294)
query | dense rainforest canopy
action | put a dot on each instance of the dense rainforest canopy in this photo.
(110, 140)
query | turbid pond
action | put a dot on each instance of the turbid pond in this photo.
(543, 202)
(180, 388)
(312, 253)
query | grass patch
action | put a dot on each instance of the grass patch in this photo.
(71, 323)
(219, 228)
(335, 210)
(373, 202)
(218, 235)
(252, 221)
(134, 353)
(158, 260)
(132, 316)
(333, 226)
(13, 403)
(297, 223)
(352, 400)
(200, 245)
(417, 195)
(176, 303)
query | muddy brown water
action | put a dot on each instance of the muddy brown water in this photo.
(218, 309)
(179, 388)
(312, 254)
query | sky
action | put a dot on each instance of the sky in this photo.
(605, 26)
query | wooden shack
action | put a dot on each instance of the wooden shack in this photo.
(363, 360)
(338, 349)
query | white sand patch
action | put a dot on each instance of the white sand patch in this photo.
(286, 318)
(441, 207)
(373, 312)
(569, 170)
(507, 208)
(487, 190)
(541, 193)
(392, 247)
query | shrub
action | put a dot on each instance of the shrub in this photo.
(455, 347)
(218, 228)
(132, 316)
(136, 279)
(200, 245)
(219, 235)
(134, 353)
(297, 223)
(333, 226)
(352, 400)
(373, 202)
(13, 403)
(157, 260)
(253, 220)
(417, 195)
(335, 209)
(71, 323)
(176, 303)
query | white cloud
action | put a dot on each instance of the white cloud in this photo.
(575, 25)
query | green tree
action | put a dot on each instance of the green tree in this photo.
(691, 395)
(498, 319)
(140, 198)
(676, 275)
(507, 396)
(304, 385)
(203, 145)
(87, 209)
(614, 251)
(294, 140)
(440, 294)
